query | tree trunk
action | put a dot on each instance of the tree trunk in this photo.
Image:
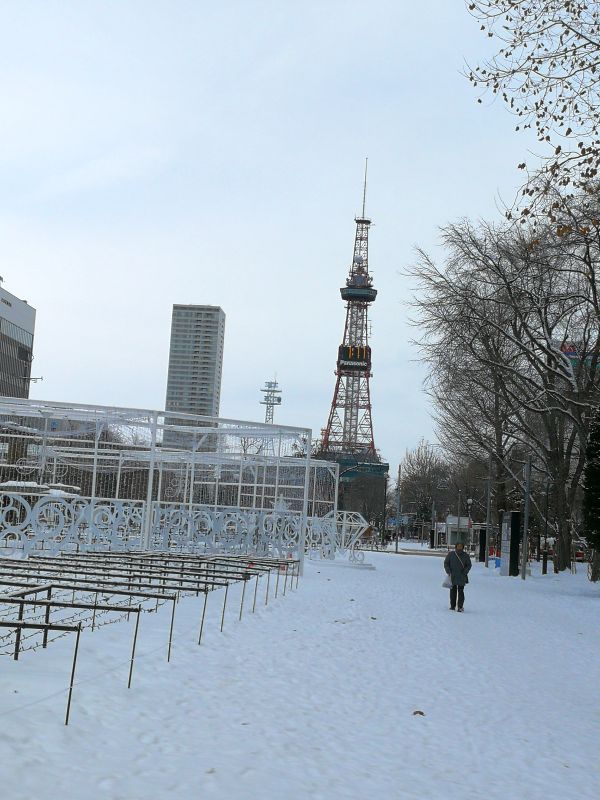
(500, 482)
(594, 566)
(563, 538)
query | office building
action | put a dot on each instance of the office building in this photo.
(196, 360)
(17, 324)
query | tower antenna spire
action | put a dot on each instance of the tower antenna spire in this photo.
(365, 188)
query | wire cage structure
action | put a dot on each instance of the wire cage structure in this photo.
(93, 478)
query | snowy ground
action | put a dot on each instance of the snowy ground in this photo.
(314, 696)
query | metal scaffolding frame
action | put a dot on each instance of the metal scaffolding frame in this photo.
(82, 477)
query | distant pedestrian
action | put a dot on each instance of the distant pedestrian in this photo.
(457, 565)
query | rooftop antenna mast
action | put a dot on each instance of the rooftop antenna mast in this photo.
(271, 398)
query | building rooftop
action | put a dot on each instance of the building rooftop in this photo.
(17, 311)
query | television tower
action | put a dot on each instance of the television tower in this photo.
(349, 428)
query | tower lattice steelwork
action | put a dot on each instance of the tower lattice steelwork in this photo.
(271, 398)
(350, 426)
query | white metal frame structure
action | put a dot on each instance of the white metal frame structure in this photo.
(82, 477)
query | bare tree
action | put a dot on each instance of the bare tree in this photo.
(512, 338)
(546, 70)
(424, 481)
(251, 445)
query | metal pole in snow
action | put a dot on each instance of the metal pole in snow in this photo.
(171, 631)
(242, 600)
(224, 607)
(203, 614)
(545, 556)
(135, 634)
(73, 674)
(255, 592)
(488, 513)
(147, 525)
(398, 508)
(525, 545)
(304, 519)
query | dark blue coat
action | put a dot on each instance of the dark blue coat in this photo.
(458, 566)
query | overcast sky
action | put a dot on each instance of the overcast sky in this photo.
(154, 153)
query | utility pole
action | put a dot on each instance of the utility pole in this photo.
(525, 551)
(488, 513)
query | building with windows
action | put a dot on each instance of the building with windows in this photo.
(17, 324)
(195, 360)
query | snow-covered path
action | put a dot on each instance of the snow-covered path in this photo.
(313, 697)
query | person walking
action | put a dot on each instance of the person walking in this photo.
(457, 565)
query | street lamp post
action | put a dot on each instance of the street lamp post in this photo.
(458, 516)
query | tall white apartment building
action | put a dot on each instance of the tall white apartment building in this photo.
(17, 325)
(196, 360)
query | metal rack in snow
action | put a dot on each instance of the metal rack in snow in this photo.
(45, 598)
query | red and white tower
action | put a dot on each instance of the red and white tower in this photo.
(349, 428)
